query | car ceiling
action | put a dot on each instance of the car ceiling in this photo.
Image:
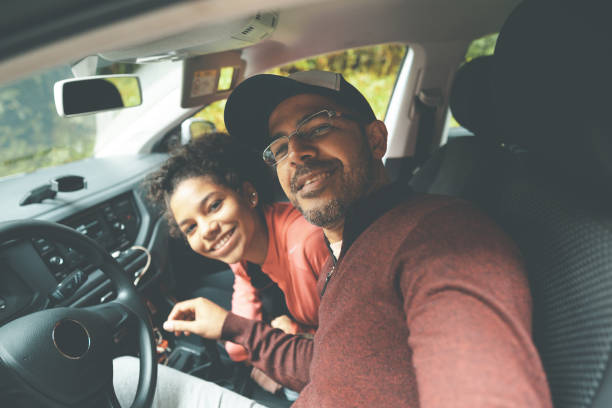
(305, 27)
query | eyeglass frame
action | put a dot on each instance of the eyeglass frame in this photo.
(332, 114)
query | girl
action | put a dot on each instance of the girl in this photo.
(217, 195)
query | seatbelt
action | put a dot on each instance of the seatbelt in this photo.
(272, 299)
(259, 280)
(425, 106)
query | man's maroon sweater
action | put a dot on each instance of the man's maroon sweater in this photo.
(427, 306)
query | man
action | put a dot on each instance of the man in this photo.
(424, 303)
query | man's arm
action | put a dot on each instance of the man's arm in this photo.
(468, 309)
(284, 357)
(469, 353)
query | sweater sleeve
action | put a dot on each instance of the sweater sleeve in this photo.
(284, 357)
(468, 309)
(245, 303)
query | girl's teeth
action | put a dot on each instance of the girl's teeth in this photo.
(222, 242)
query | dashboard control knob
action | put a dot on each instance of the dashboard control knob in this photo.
(107, 297)
(56, 260)
(68, 286)
(119, 226)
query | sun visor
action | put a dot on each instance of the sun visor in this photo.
(210, 77)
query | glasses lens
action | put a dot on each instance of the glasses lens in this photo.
(276, 151)
(315, 126)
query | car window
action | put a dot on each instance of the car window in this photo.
(373, 70)
(32, 135)
(480, 47)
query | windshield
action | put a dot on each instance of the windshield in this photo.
(33, 135)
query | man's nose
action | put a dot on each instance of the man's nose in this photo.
(300, 150)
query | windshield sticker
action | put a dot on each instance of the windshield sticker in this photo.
(204, 83)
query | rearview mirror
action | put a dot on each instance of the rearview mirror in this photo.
(96, 94)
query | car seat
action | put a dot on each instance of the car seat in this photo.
(549, 185)
(551, 92)
(468, 166)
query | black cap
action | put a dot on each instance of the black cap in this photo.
(249, 106)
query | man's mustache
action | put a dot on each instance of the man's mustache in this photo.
(310, 167)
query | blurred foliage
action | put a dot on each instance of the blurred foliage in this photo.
(114, 68)
(199, 129)
(129, 90)
(32, 135)
(372, 70)
(226, 76)
(478, 48)
(481, 47)
(214, 113)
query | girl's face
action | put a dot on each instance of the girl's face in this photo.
(218, 222)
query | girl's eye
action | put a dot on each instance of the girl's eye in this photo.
(190, 228)
(215, 205)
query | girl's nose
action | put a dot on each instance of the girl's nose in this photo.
(209, 229)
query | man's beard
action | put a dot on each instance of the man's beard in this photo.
(354, 185)
(325, 216)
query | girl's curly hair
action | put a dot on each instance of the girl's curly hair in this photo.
(218, 156)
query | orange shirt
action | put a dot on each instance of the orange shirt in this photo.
(296, 254)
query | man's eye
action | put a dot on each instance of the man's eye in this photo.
(215, 205)
(279, 150)
(190, 228)
(318, 131)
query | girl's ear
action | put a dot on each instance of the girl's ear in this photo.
(250, 194)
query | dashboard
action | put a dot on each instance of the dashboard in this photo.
(38, 273)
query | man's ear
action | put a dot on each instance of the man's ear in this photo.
(376, 132)
(250, 194)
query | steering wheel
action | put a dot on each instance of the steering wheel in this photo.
(61, 357)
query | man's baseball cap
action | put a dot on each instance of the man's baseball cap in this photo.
(249, 106)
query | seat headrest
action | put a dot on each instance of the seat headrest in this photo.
(552, 83)
(471, 99)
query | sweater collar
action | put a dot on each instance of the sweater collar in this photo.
(361, 214)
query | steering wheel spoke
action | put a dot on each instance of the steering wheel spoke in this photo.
(114, 313)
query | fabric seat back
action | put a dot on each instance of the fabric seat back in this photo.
(544, 173)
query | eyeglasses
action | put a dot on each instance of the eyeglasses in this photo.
(314, 127)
